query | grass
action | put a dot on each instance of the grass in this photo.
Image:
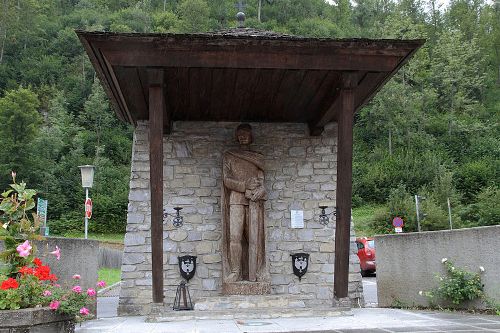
(362, 218)
(110, 275)
(110, 238)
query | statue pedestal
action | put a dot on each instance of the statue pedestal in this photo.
(252, 307)
(246, 288)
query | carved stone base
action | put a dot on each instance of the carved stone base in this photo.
(246, 288)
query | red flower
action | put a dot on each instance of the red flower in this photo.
(25, 270)
(43, 273)
(37, 262)
(10, 283)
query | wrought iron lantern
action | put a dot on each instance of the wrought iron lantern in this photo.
(182, 298)
(177, 220)
(324, 218)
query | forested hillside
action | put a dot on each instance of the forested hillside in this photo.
(432, 130)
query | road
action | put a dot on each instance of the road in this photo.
(370, 291)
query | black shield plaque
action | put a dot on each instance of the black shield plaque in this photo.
(187, 266)
(300, 262)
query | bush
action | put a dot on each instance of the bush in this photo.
(458, 285)
(485, 211)
(68, 223)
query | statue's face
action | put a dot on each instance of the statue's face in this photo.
(244, 137)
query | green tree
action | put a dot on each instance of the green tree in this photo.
(19, 126)
(194, 15)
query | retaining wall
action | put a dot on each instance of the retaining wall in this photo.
(409, 263)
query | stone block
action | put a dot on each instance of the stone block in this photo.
(135, 218)
(178, 235)
(327, 247)
(212, 258)
(134, 239)
(209, 284)
(139, 195)
(211, 235)
(305, 235)
(133, 258)
(297, 152)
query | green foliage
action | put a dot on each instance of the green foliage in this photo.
(16, 224)
(194, 15)
(19, 125)
(109, 275)
(486, 210)
(457, 286)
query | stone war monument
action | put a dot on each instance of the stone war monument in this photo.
(241, 162)
(243, 225)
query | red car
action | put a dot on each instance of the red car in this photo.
(366, 255)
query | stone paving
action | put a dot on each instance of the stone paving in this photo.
(358, 320)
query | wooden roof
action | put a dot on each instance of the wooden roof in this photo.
(241, 74)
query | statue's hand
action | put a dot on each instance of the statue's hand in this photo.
(252, 183)
(260, 193)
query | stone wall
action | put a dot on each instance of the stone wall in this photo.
(409, 263)
(300, 174)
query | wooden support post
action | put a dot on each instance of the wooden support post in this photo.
(156, 113)
(344, 186)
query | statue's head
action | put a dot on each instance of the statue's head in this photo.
(244, 134)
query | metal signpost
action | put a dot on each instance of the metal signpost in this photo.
(41, 211)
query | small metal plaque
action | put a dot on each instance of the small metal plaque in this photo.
(297, 219)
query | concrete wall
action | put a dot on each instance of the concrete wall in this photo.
(300, 173)
(409, 263)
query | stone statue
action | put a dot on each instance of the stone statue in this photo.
(243, 196)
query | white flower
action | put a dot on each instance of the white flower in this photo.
(444, 260)
(440, 278)
(421, 293)
(452, 268)
(481, 268)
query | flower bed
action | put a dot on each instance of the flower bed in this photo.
(27, 285)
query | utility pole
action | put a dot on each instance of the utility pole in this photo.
(422, 216)
(258, 12)
(449, 214)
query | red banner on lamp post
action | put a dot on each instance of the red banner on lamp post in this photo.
(88, 208)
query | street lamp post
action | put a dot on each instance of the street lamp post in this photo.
(87, 172)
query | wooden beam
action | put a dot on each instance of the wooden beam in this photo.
(156, 120)
(272, 59)
(365, 88)
(344, 186)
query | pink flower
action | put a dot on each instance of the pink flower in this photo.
(84, 311)
(24, 249)
(13, 174)
(76, 277)
(47, 293)
(77, 289)
(101, 284)
(57, 285)
(91, 292)
(57, 252)
(54, 305)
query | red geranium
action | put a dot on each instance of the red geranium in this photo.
(37, 262)
(43, 273)
(25, 270)
(10, 283)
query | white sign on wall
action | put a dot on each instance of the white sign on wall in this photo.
(297, 219)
